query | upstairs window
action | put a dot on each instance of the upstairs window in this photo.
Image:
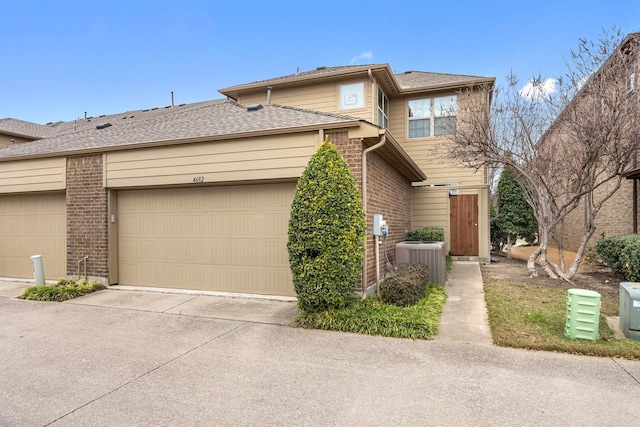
(432, 116)
(383, 109)
(351, 96)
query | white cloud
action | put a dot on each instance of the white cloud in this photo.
(367, 56)
(536, 90)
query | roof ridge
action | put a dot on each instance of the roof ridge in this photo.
(437, 73)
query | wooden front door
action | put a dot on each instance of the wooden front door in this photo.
(464, 225)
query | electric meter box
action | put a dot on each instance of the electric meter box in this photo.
(630, 309)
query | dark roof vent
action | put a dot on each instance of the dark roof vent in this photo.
(254, 107)
(103, 125)
(322, 67)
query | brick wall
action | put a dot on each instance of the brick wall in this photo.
(615, 218)
(351, 150)
(87, 218)
(389, 194)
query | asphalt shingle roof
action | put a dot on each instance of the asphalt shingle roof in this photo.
(20, 127)
(320, 71)
(206, 119)
(408, 80)
(421, 79)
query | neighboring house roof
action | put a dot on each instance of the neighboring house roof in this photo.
(407, 82)
(37, 131)
(23, 129)
(218, 119)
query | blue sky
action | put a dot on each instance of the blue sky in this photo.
(63, 58)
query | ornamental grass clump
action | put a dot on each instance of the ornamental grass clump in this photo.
(64, 290)
(326, 233)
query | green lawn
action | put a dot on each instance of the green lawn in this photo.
(533, 316)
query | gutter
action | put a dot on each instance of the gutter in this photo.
(168, 142)
(383, 141)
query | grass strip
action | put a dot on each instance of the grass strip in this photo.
(533, 317)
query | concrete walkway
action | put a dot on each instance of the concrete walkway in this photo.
(464, 316)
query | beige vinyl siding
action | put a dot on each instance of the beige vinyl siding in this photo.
(33, 175)
(273, 157)
(5, 140)
(320, 97)
(398, 118)
(33, 224)
(423, 151)
(430, 207)
(229, 238)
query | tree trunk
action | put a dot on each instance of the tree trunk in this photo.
(508, 246)
(531, 262)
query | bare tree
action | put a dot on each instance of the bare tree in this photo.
(569, 147)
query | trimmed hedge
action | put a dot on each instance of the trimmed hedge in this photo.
(326, 233)
(622, 255)
(426, 234)
(405, 288)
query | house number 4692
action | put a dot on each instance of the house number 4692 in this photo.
(198, 179)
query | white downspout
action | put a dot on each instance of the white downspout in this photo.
(383, 140)
(374, 97)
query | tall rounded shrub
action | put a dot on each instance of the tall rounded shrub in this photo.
(326, 233)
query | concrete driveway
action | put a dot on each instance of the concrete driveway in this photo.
(83, 363)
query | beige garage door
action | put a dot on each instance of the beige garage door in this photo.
(33, 225)
(230, 239)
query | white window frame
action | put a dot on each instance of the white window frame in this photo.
(383, 110)
(432, 115)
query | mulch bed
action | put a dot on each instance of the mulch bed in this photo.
(591, 276)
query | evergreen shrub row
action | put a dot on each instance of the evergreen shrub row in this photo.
(426, 234)
(622, 255)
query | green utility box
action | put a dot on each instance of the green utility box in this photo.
(630, 309)
(583, 314)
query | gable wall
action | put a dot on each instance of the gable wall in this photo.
(322, 97)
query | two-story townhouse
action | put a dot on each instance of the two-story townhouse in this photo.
(197, 196)
(418, 110)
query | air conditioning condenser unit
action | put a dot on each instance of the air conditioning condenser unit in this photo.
(430, 254)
